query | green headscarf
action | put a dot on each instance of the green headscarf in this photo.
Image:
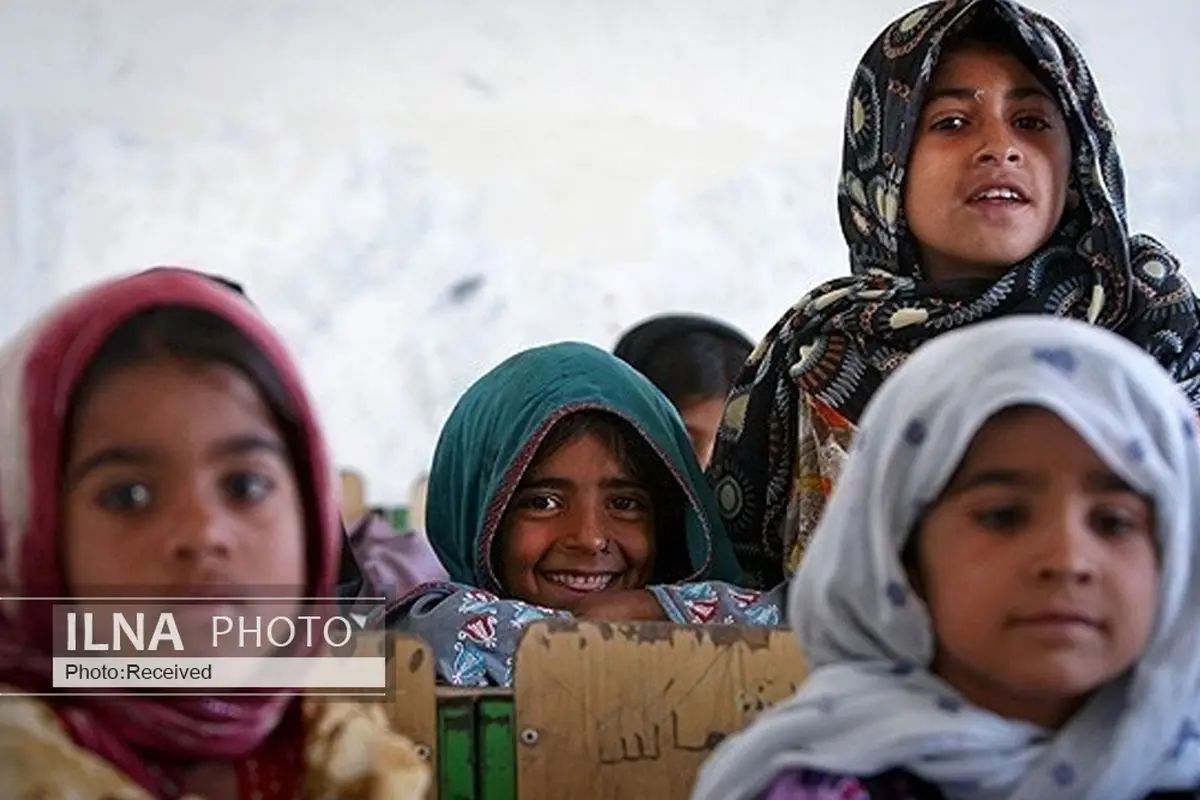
(498, 425)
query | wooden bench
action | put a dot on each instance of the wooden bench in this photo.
(353, 496)
(597, 711)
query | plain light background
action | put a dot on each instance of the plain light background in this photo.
(413, 190)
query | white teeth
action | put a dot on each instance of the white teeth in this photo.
(998, 194)
(581, 583)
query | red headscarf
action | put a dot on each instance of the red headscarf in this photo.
(39, 368)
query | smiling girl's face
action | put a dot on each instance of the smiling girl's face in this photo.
(581, 521)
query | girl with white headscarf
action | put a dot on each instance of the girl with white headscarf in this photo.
(1001, 599)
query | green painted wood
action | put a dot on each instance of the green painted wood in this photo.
(457, 759)
(497, 723)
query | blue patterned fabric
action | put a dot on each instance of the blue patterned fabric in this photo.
(485, 448)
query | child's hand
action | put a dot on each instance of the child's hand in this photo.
(620, 606)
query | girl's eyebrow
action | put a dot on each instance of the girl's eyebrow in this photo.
(546, 482)
(552, 482)
(244, 444)
(247, 444)
(991, 477)
(119, 456)
(964, 93)
(1103, 481)
(1097, 481)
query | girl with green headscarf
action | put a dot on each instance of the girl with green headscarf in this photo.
(564, 485)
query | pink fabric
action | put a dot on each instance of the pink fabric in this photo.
(38, 370)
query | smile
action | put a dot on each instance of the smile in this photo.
(999, 194)
(581, 582)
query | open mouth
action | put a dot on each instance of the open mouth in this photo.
(1003, 195)
(582, 582)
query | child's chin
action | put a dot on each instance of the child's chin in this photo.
(1006, 252)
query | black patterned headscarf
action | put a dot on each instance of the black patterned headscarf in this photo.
(846, 336)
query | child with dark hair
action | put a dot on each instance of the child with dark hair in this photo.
(694, 361)
(564, 485)
(980, 178)
(160, 444)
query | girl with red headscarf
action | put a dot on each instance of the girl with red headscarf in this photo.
(155, 436)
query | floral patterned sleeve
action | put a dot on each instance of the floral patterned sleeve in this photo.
(473, 633)
(717, 603)
(811, 785)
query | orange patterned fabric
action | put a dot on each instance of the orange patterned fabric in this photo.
(823, 444)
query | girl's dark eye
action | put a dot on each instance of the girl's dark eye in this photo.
(1032, 124)
(630, 507)
(1114, 523)
(1002, 519)
(247, 487)
(125, 497)
(949, 124)
(539, 502)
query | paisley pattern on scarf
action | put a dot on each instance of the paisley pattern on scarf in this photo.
(830, 352)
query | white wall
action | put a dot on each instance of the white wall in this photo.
(415, 189)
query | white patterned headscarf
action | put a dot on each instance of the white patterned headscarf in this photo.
(870, 704)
